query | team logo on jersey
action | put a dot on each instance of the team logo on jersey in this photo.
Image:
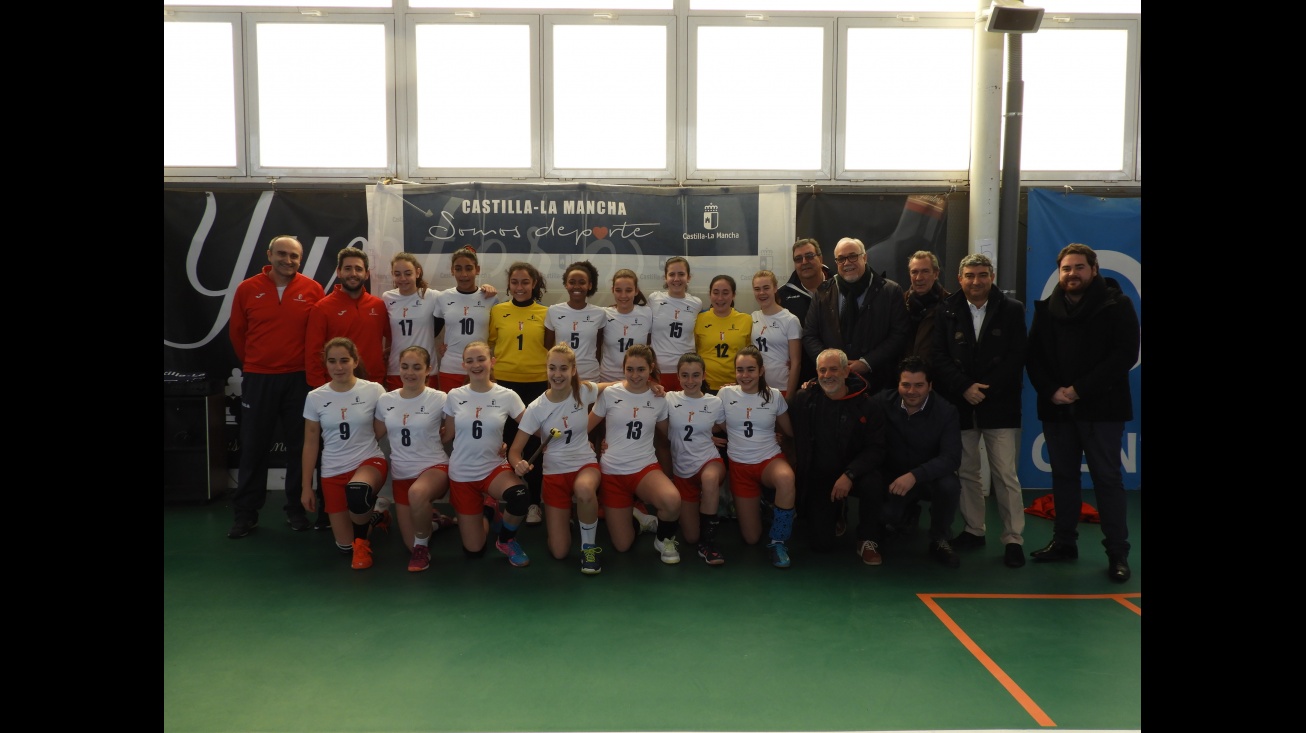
(405, 420)
(343, 410)
(391, 407)
(454, 301)
(463, 402)
(299, 298)
(564, 315)
(616, 402)
(734, 402)
(326, 405)
(260, 295)
(372, 312)
(341, 313)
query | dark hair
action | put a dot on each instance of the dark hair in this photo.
(733, 287)
(639, 294)
(420, 351)
(645, 352)
(538, 292)
(360, 371)
(411, 259)
(806, 241)
(692, 357)
(352, 252)
(753, 353)
(1078, 249)
(914, 364)
(590, 271)
(467, 252)
(673, 260)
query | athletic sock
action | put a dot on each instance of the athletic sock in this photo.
(709, 524)
(589, 533)
(782, 524)
(667, 529)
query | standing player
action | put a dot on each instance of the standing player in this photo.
(341, 414)
(465, 313)
(720, 332)
(777, 334)
(697, 469)
(412, 416)
(674, 314)
(630, 321)
(475, 414)
(571, 470)
(576, 323)
(631, 411)
(753, 412)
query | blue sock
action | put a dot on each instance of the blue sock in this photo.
(782, 524)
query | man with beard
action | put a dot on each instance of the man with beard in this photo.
(352, 312)
(840, 455)
(862, 314)
(796, 295)
(1082, 344)
(269, 315)
(923, 298)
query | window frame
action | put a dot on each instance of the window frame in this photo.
(241, 168)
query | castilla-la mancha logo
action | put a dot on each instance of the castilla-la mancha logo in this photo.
(710, 216)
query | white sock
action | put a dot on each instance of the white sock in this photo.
(588, 533)
(420, 541)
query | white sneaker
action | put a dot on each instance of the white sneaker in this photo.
(670, 555)
(534, 515)
(648, 524)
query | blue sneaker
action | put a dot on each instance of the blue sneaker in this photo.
(779, 554)
(589, 559)
(516, 555)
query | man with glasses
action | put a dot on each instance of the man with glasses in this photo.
(861, 313)
(796, 295)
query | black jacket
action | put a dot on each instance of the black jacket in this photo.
(921, 312)
(793, 297)
(996, 358)
(881, 333)
(1091, 347)
(833, 436)
(927, 444)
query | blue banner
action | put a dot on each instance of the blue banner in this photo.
(1113, 227)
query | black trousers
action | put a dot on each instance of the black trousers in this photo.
(819, 514)
(269, 401)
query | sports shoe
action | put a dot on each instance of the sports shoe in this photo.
(779, 554)
(870, 553)
(362, 554)
(942, 551)
(298, 522)
(710, 554)
(381, 520)
(516, 555)
(534, 515)
(323, 521)
(967, 541)
(667, 548)
(589, 559)
(420, 560)
(648, 523)
(241, 528)
(441, 521)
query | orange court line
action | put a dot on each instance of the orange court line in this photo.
(1003, 679)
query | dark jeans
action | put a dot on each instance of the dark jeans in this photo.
(820, 514)
(266, 402)
(944, 496)
(1099, 444)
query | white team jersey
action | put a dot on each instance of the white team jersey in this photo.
(673, 327)
(750, 425)
(348, 437)
(571, 450)
(479, 418)
(466, 319)
(771, 335)
(622, 331)
(413, 427)
(689, 423)
(412, 323)
(578, 329)
(630, 420)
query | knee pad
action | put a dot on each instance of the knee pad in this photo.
(473, 554)
(516, 501)
(360, 497)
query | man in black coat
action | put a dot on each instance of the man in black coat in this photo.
(979, 365)
(862, 314)
(1082, 344)
(796, 295)
(840, 454)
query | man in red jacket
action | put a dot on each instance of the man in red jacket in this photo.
(352, 312)
(269, 314)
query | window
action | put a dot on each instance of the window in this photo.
(202, 96)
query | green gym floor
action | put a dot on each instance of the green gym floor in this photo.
(275, 632)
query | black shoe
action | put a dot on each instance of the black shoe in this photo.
(1117, 569)
(942, 552)
(323, 522)
(241, 528)
(967, 541)
(298, 522)
(1014, 556)
(1055, 552)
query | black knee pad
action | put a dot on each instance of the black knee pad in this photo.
(516, 501)
(473, 554)
(360, 497)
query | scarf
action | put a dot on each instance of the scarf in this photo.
(851, 292)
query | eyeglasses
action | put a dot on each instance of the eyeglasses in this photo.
(847, 258)
(809, 257)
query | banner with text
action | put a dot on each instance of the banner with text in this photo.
(1113, 227)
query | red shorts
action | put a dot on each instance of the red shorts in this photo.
(402, 485)
(746, 478)
(394, 381)
(669, 382)
(333, 487)
(449, 381)
(691, 489)
(618, 491)
(468, 497)
(557, 487)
